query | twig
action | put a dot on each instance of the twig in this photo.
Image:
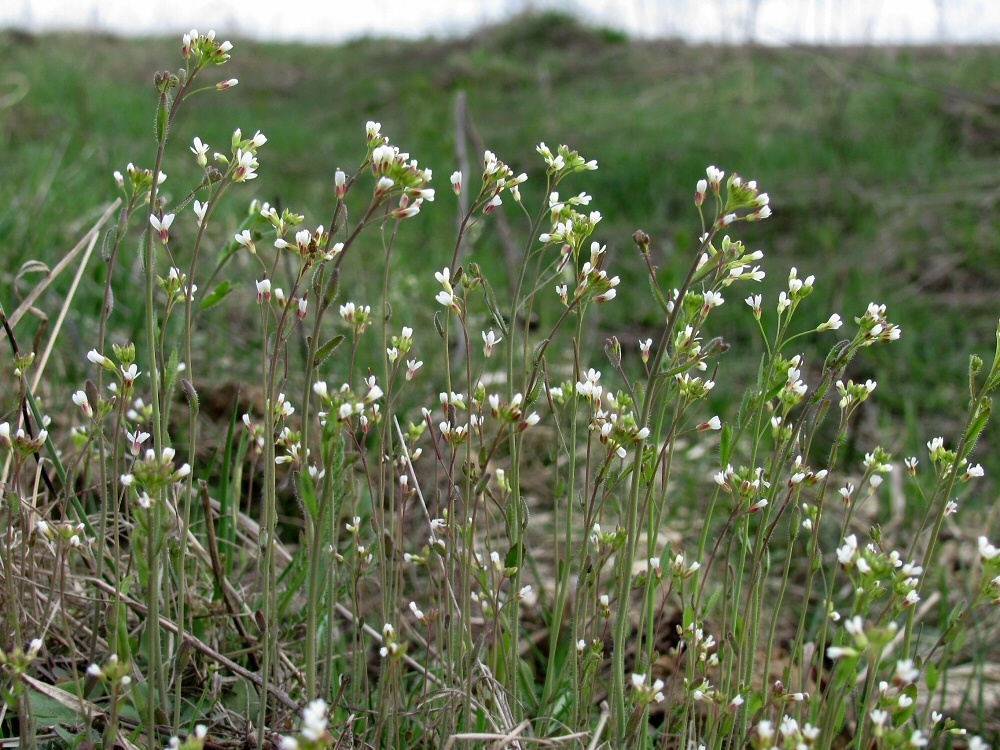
(282, 697)
(220, 577)
(51, 276)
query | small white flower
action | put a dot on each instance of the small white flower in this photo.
(713, 424)
(832, 324)
(200, 150)
(314, 721)
(490, 339)
(244, 239)
(986, 550)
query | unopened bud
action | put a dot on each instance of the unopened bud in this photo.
(641, 239)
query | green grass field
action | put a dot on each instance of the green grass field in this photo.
(881, 166)
(881, 163)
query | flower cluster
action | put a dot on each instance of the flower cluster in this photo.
(593, 279)
(153, 473)
(863, 637)
(617, 428)
(175, 285)
(646, 693)
(356, 316)
(114, 672)
(140, 181)
(879, 573)
(65, 532)
(702, 644)
(570, 228)
(789, 735)
(20, 442)
(204, 49)
(854, 394)
(345, 405)
(798, 289)
(396, 174)
(16, 661)
(874, 326)
(748, 484)
(742, 197)
(510, 414)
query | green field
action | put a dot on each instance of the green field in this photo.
(882, 169)
(881, 163)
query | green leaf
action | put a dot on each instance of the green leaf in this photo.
(331, 288)
(491, 304)
(539, 351)
(710, 604)
(976, 427)
(162, 118)
(292, 580)
(725, 444)
(514, 556)
(528, 693)
(327, 349)
(218, 294)
(901, 717)
(931, 676)
(307, 494)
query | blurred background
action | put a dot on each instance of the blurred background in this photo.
(724, 21)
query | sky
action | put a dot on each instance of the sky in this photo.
(324, 21)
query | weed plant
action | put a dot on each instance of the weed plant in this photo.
(535, 538)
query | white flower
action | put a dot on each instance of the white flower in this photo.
(974, 471)
(832, 324)
(99, 359)
(490, 340)
(713, 424)
(246, 166)
(314, 721)
(162, 226)
(199, 211)
(986, 550)
(80, 399)
(712, 299)
(246, 240)
(200, 151)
